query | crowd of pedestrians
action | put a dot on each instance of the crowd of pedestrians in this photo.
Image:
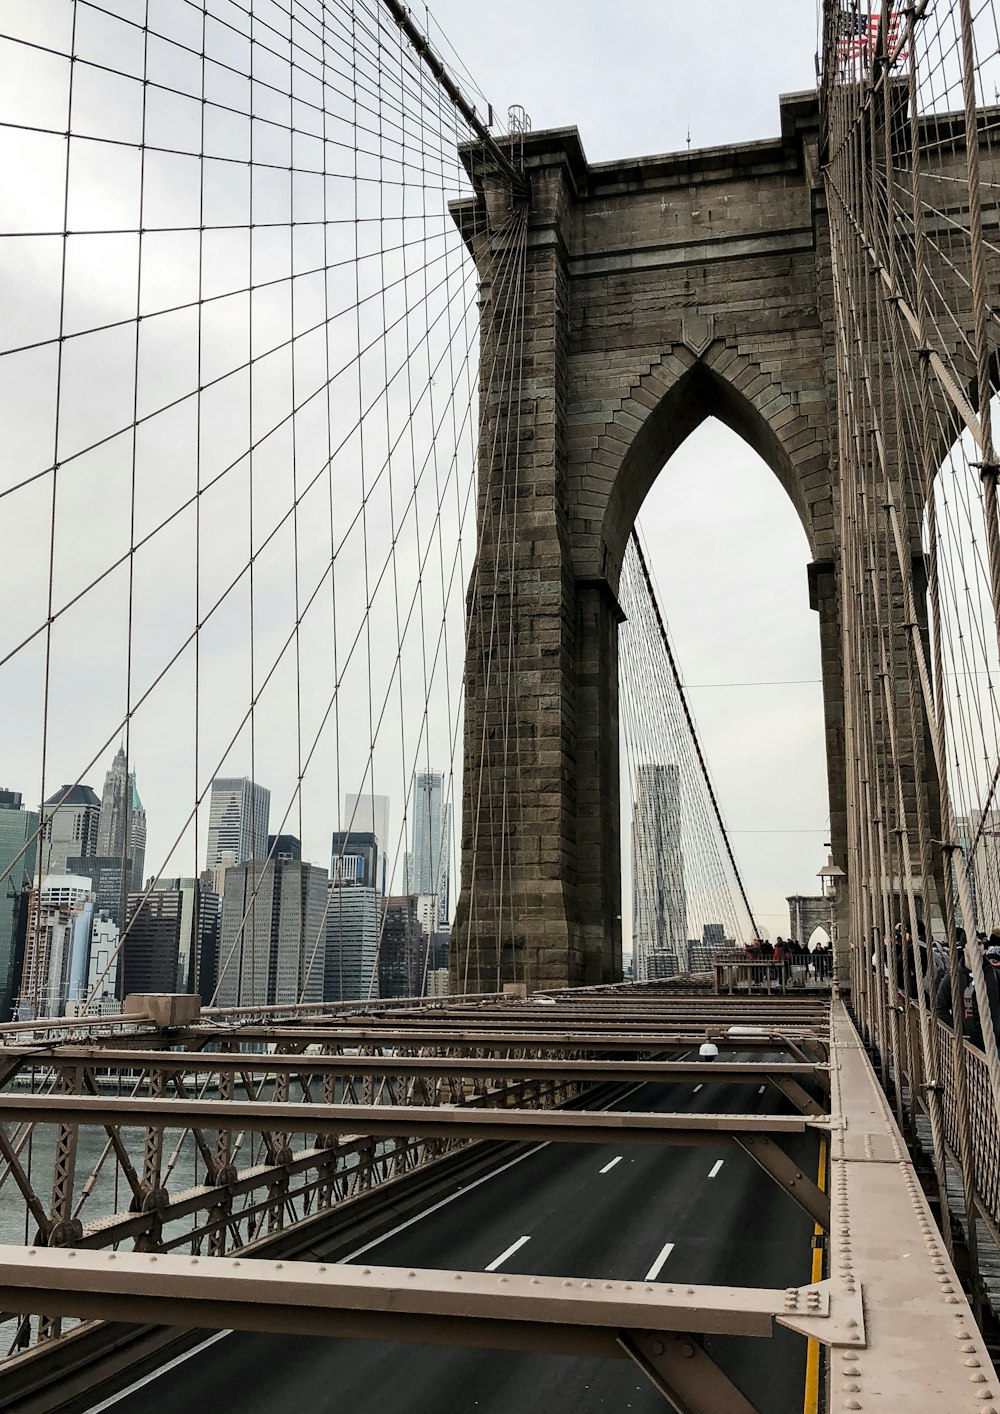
(787, 962)
(935, 973)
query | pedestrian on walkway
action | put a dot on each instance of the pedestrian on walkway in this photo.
(968, 1004)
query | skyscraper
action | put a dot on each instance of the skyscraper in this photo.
(353, 917)
(369, 814)
(152, 947)
(58, 946)
(284, 847)
(121, 833)
(354, 858)
(659, 904)
(197, 911)
(402, 949)
(273, 945)
(72, 817)
(429, 866)
(237, 823)
(100, 996)
(111, 882)
(17, 869)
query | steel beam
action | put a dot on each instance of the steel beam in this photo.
(400, 1303)
(684, 1373)
(787, 1174)
(923, 1348)
(412, 1121)
(626, 1071)
(614, 1039)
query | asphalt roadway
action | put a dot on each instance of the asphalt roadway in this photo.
(679, 1214)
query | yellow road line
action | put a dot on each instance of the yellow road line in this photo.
(811, 1402)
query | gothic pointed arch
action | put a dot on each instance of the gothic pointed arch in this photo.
(660, 407)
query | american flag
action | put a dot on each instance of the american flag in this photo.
(859, 36)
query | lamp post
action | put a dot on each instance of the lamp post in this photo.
(829, 876)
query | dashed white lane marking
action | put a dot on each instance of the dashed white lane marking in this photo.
(761, 1090)
(715, 1167)
(459, 1193)
(358, 1251)
(657, 1266)
(499, 1261)
(608, 1167)
(697, 1088)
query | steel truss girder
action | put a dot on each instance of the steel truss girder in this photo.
(181, 1062)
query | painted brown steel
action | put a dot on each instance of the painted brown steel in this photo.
(310, 1298)
(745, 1072)
(416, 1121)
(923, 1349)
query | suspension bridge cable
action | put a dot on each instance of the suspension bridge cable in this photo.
(689, 719)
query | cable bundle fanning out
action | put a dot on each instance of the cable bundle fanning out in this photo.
(688, 901)
(912, 181)
(239, 381)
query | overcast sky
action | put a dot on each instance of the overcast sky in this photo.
(727, 547)
(634, 78)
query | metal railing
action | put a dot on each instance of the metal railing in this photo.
(772, 978)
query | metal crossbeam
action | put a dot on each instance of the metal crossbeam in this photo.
(504, 1310)
(591, 1071)
(412, 1121)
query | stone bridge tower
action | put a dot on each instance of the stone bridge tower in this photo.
(634, 299)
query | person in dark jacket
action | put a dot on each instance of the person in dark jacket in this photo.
(969, 1007)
